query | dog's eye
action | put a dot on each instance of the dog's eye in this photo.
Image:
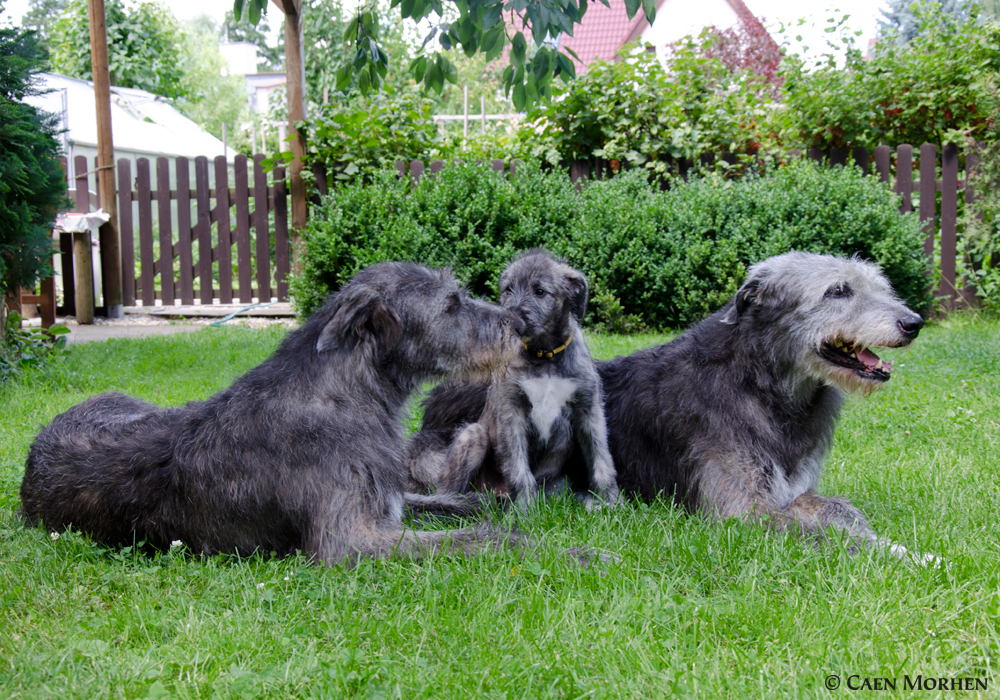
(454, 301)
(539, 292)
(839, 290)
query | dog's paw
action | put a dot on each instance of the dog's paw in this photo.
(608, 500)
(932, 561)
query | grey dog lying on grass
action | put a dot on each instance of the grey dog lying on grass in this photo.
(735, 417)
(304, 452)
(547, 401)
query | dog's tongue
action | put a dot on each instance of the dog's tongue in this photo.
(873, 361)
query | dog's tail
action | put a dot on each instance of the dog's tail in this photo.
(448, 505)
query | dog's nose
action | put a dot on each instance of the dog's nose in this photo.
(516, 322)
(911, 326)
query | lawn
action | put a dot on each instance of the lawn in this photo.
(692, 608)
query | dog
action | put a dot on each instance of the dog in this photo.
(734, 419)
(547, 401)
(303, 453)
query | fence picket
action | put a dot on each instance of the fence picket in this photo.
(904, 177)
(242, 195)
(184, 254)
(928, 195)
(281, 263)
(261, 231)
(949, 219)
(82, 186)
(224, 247)
(860, 156)
(166, 230)
(145, 198)
(126, 230)
(416, 170)
(883, 163)
(322, 184)
(204, 230)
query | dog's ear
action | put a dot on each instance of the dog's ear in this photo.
(361, 314)
(577, 292)
(747, 295)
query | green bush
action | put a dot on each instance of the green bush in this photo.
(665, 259)
(467, 217)
(676, 256)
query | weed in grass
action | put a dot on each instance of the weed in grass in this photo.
(692, 608)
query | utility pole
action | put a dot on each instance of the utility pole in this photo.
(111, 262)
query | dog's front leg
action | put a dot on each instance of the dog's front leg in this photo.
(591, 433)
(465, 456)
(511, 445)
(815, 514)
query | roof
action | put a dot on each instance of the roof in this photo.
(141, 122)
(604, 30)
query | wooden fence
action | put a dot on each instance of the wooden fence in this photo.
(189, 254)
(210, 221)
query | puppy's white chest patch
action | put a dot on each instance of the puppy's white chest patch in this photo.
(547, 395)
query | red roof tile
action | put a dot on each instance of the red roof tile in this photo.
(603, 31)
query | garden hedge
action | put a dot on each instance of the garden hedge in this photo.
(664, 258)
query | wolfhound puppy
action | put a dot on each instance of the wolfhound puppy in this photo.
(304, 452)
(547, 401)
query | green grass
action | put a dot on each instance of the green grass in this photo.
(693, 608)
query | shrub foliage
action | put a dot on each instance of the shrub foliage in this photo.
(665, 258)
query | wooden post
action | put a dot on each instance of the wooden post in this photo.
(295, 66)
(83, 257)
(111, 262)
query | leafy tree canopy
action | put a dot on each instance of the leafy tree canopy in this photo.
(210, 96)
(145, 46)
(903, 23)
(482, 26)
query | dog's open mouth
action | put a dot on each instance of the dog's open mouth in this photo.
(856, 357)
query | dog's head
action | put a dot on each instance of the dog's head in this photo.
(826, 314)
(417, 322)
(543, 293)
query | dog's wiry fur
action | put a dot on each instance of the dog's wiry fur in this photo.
(735, 417)
(535, 413)
(304, 452)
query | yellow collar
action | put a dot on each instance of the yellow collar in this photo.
(542, 353)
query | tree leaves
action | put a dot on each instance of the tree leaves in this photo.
(479, 27)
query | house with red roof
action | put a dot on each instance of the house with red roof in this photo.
(605, 30)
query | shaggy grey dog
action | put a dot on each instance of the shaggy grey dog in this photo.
(735, 417)
(549, 400)
(304, 452)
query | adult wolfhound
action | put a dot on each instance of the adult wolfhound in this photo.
(735, 417)
(304, 452)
